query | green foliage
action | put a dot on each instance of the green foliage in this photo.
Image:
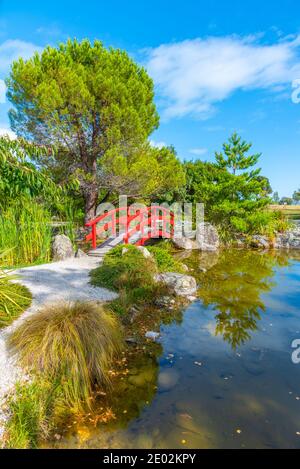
(19, 175)
(233, 193)
(147, 173)
(93, 103)
(286, 201)
(275, 198)
(164, 260)
(124, 271)
(25, 233)
(266, 223)
(131, 275)
(69, 344)
(31, 408)
(234, 156)
(296, 196)
(14, 298)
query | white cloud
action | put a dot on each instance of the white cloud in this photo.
(157, 144)
(12, 49)
(198, 151)
(2, 92)
(193, 75)
(6, 131)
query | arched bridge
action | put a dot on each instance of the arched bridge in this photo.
(129, 226)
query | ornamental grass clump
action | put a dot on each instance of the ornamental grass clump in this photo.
(14, 298)
(71, 343)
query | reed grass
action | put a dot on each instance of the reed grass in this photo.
(25, 233)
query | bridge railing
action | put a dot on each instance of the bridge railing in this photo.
(148, 217)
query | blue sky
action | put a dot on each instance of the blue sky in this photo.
(218, 66)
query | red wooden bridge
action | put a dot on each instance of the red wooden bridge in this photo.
(129, 225)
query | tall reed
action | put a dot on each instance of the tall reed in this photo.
(25, 233)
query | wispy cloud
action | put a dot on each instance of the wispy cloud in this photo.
(192, 76)
(12, 49)
(155, 144)
(198, 151)
(7, 131)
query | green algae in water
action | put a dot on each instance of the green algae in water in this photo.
(223, 377)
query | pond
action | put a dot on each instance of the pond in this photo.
(222, 375)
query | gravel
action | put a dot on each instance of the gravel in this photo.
(66, 280)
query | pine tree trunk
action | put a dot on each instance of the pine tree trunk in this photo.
(90, 201)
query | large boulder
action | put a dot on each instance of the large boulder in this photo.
(62, 248)
(180, 284)
(207, 237)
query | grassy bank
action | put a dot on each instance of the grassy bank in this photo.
(127, 271)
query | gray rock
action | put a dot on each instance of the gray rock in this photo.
(62, 248)
(185, 243)
(144, 251)
(180, 284)
(191, 298)
(260, 242)
(164, 302)
(207, 237)
(152, 335)
(288, 240)
(80, 254)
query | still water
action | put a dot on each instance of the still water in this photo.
(223, 377)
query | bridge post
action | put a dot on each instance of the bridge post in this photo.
(94, 236)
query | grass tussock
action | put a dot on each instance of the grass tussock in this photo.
(70, 343)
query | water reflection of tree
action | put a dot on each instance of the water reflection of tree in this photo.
(234, 287)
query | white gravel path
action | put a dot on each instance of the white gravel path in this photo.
(66, 280)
